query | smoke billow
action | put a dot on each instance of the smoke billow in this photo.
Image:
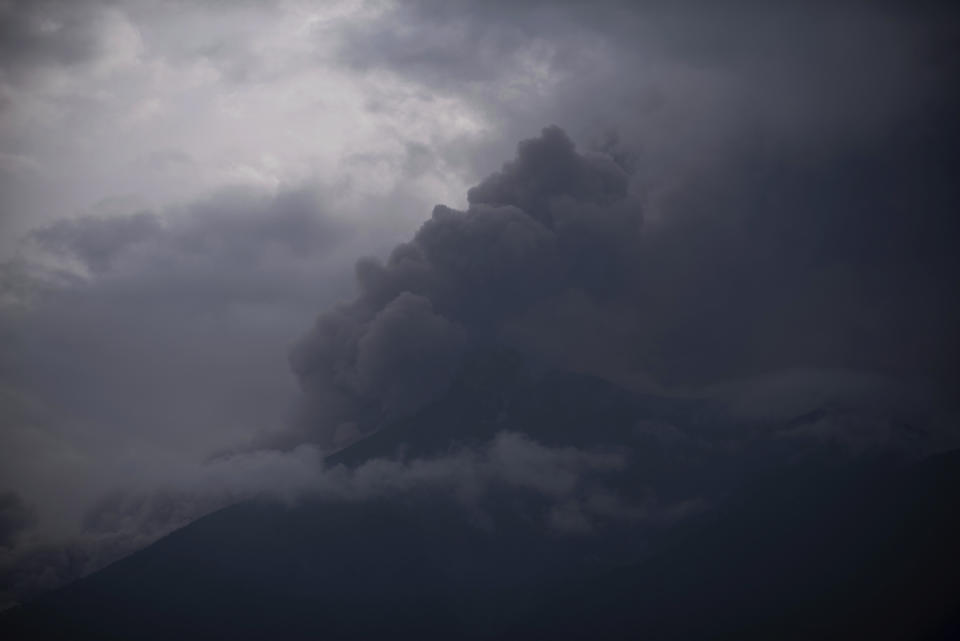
(551, 220)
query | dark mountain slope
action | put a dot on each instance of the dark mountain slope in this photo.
(811, 553)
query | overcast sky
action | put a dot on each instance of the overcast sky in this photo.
(760, 192)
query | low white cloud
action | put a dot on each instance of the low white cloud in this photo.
(570, 482)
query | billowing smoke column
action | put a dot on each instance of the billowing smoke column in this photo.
(552, 219)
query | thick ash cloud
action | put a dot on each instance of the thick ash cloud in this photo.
(407, 336)
(531, 230)
(547, 169)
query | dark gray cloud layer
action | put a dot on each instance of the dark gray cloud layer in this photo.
(531, 230)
